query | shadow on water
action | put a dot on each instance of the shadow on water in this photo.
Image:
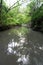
(21, 46)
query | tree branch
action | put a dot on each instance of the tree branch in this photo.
(13, 6)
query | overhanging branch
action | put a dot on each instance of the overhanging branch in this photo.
(13, 6)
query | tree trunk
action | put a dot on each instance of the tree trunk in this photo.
(0, 10)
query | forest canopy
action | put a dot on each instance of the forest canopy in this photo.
(21, 11)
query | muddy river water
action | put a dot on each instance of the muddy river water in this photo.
(21, 46)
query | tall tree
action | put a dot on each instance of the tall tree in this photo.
(0, 8)
(1, 3)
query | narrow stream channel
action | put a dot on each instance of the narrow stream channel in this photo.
(21, 46)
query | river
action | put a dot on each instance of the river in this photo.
(21, 46)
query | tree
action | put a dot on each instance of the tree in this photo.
(0, 8)
(36, 9)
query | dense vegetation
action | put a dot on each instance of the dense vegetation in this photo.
(13, 16)
(37, 17)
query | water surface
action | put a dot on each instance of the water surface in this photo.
(21, 46)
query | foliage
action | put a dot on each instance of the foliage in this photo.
(33, 12)
(14, 16)
(36, 15)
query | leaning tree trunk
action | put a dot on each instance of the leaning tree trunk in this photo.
(0, 10)
(1, 5)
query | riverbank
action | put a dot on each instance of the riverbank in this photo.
(6, 27)
(28, 25)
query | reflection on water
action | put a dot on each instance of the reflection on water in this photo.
(41, 48)
(21, 46)
(24, 60)
(12, 45)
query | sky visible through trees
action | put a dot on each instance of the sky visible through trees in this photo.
(11, 2)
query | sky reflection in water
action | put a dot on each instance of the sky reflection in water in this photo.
(27, 49)
(18, 49)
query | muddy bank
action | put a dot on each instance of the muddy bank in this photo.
(6, 27)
